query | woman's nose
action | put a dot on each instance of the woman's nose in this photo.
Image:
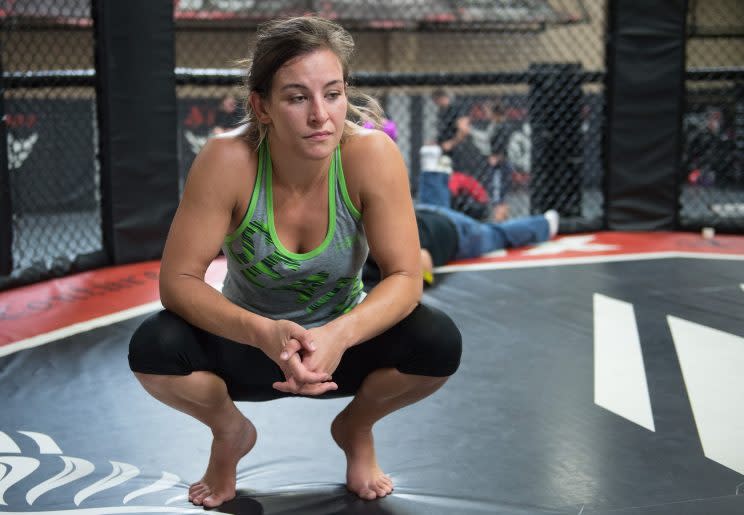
(318, 113)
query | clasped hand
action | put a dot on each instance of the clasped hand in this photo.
(307, 367)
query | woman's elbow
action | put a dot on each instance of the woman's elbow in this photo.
(418, 285)
(168, 296)
(416, 289)
(165, 298)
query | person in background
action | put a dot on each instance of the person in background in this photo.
(446, 234)
(709, 152)
(446, 125)
(461, 142)
(296, 199)
(498, 161)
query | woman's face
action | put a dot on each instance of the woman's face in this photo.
(307, 105)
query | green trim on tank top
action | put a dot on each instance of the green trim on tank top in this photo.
(331, 213)
(254, 196)
(344, 191)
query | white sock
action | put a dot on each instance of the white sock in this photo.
(552, 217)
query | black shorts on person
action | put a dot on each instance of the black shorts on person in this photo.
(426, 342)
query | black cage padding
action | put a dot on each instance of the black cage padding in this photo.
(645, 105)
(555, 101)
(135, 86)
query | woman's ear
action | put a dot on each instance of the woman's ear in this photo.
(257, 104)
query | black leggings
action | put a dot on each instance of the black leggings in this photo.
(426, 342)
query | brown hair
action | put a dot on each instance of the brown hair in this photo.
(281, 40)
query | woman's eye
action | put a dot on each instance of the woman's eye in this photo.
(333, 94)
(297, 99)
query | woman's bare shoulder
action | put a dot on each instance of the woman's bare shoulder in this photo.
(369, 149)
(222, 175)
(230, 147)
(363, 142)
(371, 161)
(225, 157)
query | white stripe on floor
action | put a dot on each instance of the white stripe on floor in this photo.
(619, 375)
(583, 260)
(712, 362)
(81, 327)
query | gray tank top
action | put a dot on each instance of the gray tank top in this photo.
(311, 288)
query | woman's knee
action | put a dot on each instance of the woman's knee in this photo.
(165, 344)
(436, 342)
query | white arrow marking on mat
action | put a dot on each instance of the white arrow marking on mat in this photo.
(20, 467)
(570, 243)
(45, 442)
(619, 373)
(121, 472)
(165, 482)
(7, 445)
(711, 363)
(75, 468)
(177, 498)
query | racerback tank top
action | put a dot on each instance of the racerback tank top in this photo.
(311, 288)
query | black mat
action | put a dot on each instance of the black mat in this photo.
(515, 431)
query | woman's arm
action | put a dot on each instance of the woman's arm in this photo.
(378, 177)
(209, 209)
(203, 218)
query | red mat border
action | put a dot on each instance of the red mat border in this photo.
(53, 305)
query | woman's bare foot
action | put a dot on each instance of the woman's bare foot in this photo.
(363, 475)
(228, 447)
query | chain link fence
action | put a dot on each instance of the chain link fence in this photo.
(49, 101)
(712, 192)
(517, 83)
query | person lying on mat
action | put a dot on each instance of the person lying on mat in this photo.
(446, 234)
(295, 198)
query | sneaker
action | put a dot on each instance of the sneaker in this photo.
(553, 218)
